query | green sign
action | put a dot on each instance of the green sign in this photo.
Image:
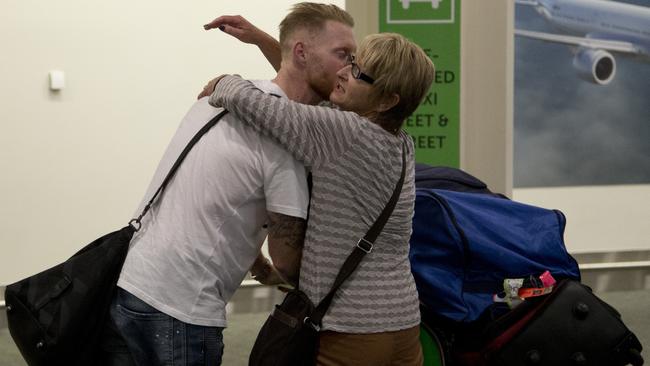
(435, 26)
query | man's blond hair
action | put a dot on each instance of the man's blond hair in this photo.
(400, 67)
(312, 17)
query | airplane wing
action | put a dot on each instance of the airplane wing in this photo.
(527, 2)
(603, 44)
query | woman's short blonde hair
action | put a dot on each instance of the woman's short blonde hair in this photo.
(400, 67)
(312, 17)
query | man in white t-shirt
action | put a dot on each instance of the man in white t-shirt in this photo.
(204, 232)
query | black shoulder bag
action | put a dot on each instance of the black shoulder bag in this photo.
(57, 317)
(289, 337)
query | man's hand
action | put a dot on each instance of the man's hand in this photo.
(238, 27)
(208, 89)
(273, 279)
(264, 272)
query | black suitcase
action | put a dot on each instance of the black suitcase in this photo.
(570, 326)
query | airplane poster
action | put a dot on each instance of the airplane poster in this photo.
(582, 92)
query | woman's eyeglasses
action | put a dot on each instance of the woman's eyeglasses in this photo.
(357, 74)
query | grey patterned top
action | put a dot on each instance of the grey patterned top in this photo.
(355, 165)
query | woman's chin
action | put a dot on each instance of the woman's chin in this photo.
(335, 97)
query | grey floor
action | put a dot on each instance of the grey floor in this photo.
(240, 335)
(238, 338)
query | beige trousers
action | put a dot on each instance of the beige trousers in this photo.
(375, 349)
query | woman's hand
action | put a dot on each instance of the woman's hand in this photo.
(240, 28)
(208, 89)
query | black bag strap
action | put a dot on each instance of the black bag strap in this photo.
(363, 247)
(136, 223)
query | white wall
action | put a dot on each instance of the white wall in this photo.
(75, 163)
(487, 85)
(599, 218)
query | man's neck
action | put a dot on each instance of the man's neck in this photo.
(296, 88)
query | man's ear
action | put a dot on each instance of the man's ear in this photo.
(388, 102)
(299, 54)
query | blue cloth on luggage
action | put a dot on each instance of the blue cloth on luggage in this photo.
(465, 244)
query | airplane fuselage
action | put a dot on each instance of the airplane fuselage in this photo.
(601, 19)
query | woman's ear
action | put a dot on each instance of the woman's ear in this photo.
(388, 103)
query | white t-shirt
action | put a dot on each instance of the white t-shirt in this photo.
(205, 230)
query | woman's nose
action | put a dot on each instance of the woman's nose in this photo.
(344, 72)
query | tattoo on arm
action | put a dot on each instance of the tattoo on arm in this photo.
(288, 230)
(286, 238)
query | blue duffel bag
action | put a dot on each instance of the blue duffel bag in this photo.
(465, 244)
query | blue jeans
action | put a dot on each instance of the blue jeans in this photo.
(143, 336)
